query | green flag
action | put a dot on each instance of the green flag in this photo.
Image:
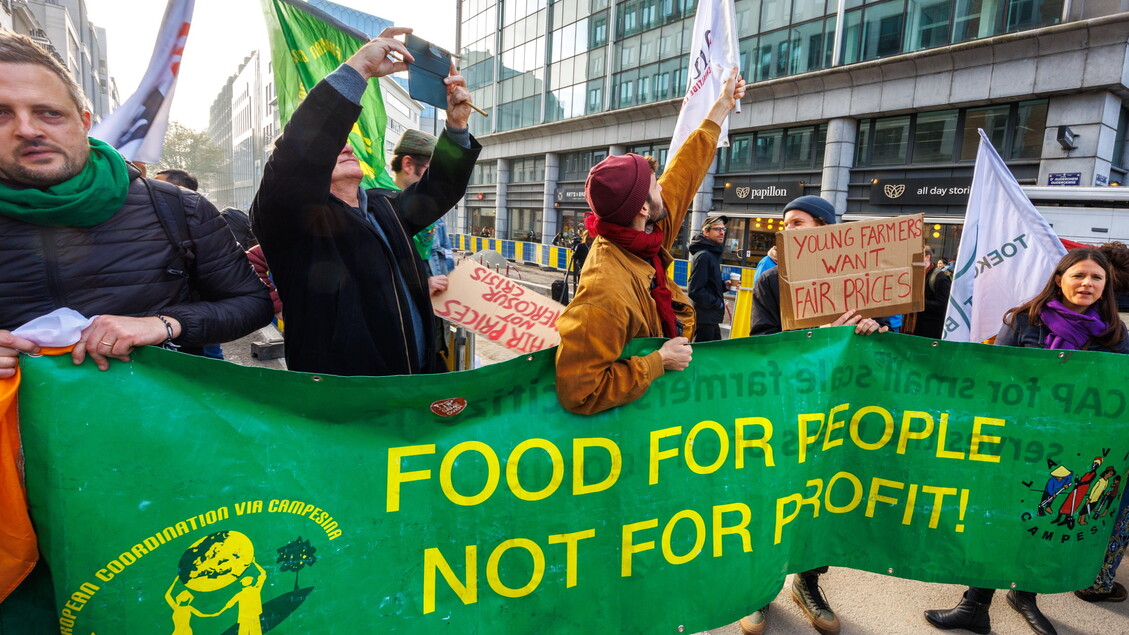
(176, 491)
(306, 45)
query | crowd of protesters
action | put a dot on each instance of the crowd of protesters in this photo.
(351, 269)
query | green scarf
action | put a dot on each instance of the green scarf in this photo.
(87, 199)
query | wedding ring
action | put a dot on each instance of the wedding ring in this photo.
(105, 343)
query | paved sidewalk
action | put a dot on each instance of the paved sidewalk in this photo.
(872, 604)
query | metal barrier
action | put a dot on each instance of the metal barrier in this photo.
(460, 348)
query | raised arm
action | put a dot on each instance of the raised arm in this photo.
(690, 163)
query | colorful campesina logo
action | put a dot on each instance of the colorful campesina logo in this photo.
(1076, 500)
(219, 572)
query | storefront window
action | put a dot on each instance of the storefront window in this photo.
(526, 224)
(736, 237)
(572, 222)
(482, 221)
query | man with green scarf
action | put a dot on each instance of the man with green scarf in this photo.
(79, 228)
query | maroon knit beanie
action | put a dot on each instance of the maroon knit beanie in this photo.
(617, 188)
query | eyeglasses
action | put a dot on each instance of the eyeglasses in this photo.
(719, 229)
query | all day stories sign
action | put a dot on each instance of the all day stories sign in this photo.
(192, 495)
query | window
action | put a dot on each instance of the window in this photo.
(798, 148)
(772, 55)
(809, 48)
(1016, 131)
(935, 137)
(775, 14)
(1028, 14)
(808, 9)
(891, 140)
(1031, 121)
(739, 154)
(595, 96)
(659, 151)
(484, 174)
(882, 30)
(575, 165)
(1119, 153)
(929, 23)
(766, 149)
(993, 120)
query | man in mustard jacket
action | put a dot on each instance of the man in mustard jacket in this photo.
(623, 292)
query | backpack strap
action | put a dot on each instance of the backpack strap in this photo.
(169, 204)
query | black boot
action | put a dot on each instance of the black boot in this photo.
(1024, 603)
(969, 615)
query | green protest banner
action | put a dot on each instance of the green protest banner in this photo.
(306, 45)
(182, 492)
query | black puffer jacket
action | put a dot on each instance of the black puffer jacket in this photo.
(705, 286)
(120, 267)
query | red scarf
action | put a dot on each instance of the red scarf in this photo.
(646, 246)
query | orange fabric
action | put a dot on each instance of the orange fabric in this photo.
(19, 549)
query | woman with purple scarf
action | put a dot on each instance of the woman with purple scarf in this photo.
(1074, 311)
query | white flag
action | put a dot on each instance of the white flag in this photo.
(137, 127)
(713, 55)
(1007, 252)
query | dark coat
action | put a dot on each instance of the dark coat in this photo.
(344, 290)
(120, 267)
(931, 321)
(706, 288)
(1026, 335)
(766, 304)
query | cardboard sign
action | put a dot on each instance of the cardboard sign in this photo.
(501, 309)
(876, 267)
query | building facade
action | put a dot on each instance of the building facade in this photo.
(874, 105)
(63, 27)
(244, 118)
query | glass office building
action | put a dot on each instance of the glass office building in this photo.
(845, 95)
